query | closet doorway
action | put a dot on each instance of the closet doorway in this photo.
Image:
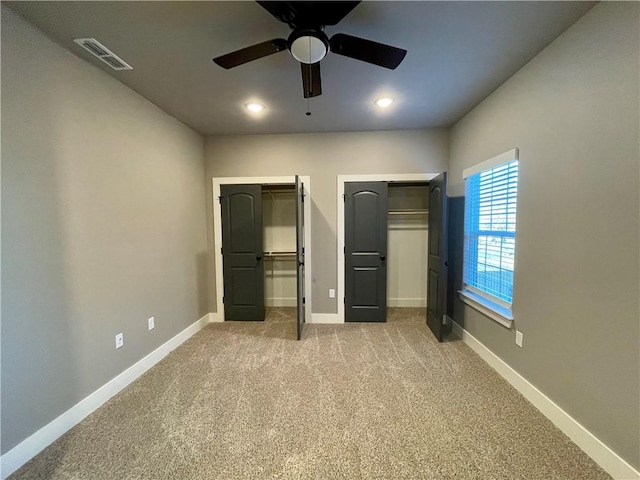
(392, 246)
(262, 245)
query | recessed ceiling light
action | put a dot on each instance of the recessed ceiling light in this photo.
(384, 102)
(255, 107)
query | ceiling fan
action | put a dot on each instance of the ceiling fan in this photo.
(308, 43)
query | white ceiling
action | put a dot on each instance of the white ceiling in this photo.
(458, 53)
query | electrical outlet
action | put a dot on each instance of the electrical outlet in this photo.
(332, 293)
(119, 340)
(152, 323)
(519, 338)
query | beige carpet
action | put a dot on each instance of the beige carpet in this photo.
(245, 400)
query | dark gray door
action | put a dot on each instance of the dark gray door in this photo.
(437, 255)
(242, 252)
(365, 218)
(300, 253)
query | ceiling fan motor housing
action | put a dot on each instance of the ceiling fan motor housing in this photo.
(308, 45)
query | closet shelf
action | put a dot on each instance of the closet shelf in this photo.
(283, 255)
(408, 212)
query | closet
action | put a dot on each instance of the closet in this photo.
(386, 238)
(262, 249)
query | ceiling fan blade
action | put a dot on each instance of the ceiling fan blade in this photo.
(367, 50)
(281, 10)
(248, 54)
(331, 13)
(311, 83)
(308, 14)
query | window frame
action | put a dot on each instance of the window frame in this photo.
(492, 306)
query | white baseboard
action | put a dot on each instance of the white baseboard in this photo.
(610, 461)
(281, 302)
(215, 317)
(31, 446)
(324, 318)
(407, 302)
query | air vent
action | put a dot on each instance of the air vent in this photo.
(96, 49)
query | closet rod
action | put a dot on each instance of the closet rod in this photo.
(408, 212)
(279, 254)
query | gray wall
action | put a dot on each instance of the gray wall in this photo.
(323, 157)
(103, 226)
(573, 112)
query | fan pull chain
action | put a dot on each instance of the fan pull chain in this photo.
(308, 113)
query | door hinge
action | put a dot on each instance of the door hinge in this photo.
(220, 199)
(221, 250)
(304, 300)
(344, 197)
(222, 299)
(344, 249)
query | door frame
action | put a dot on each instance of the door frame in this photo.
(342, 179)
(218, 315)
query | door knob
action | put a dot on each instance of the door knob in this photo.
(258, 257)
(383, 258)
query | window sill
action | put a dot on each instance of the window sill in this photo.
(493, 310)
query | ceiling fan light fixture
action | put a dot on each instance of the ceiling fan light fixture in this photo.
(308, 46)
(254, 107)
(384, 102)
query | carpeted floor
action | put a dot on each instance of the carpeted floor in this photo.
(245, 400)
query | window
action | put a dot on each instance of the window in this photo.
(489, 235)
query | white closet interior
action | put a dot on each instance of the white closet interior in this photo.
(279, 240)
(408, 236)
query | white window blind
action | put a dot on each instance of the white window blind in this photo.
(490, 230)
